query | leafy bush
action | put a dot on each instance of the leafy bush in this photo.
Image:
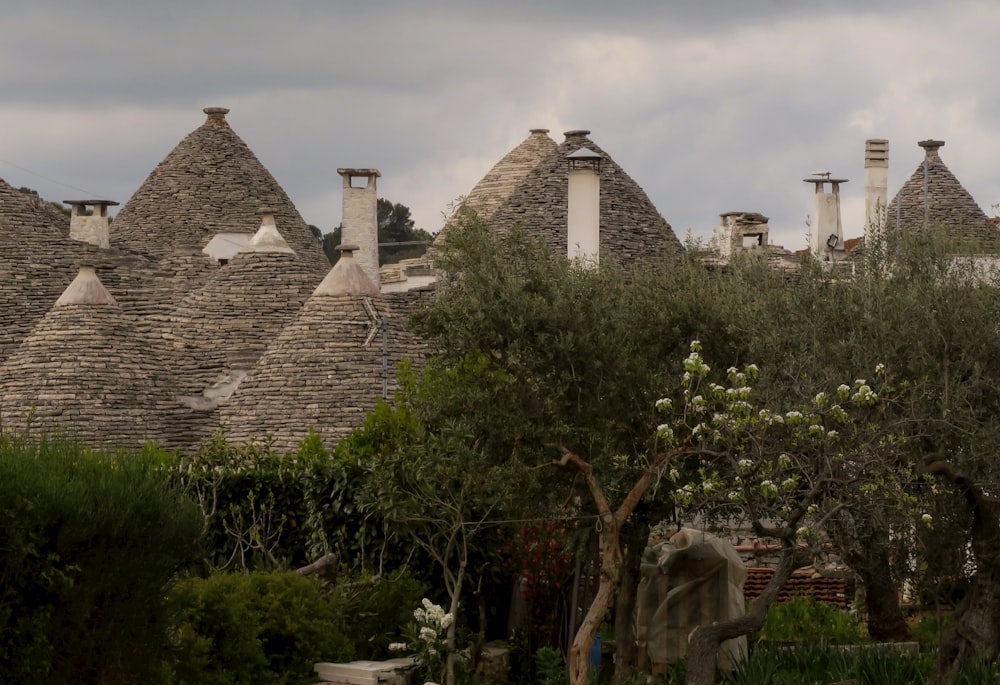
(268, 511)
(927, 629)
(254, 629)
(377, 607)
(803, 619)
(88, 541)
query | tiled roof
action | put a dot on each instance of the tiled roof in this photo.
(829, 590)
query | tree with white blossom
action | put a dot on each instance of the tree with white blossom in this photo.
(720, 455)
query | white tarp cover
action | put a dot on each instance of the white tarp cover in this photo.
(692, 579)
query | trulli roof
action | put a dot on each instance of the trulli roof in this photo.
(210, 183)
(83, 372)
(948, 204)
(325, 370)
(631, 227)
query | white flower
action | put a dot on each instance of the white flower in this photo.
(664, 404)
(833, 435)
(802, 532)
(927, 518)
(745, 464)
(674, 474)
(397, 646)
(428, 634)
(447, 620)
(864, 395)
(793, 415)
(665, 432)
(879, 369)
(708, 486)
(843, 390)
(820, 398)
(788, 484)
(768, 489)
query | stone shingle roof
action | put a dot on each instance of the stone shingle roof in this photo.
(949, 204)
(83, 372)
(506, 175)
(325, 370)
(631, 227)
(211, 182)
(222, 328)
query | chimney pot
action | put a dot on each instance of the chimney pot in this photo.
(931, 146)
(539, 130)
(216, 115)
(576, 133)
(876, 152)
(93, 229)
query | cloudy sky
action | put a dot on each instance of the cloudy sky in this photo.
(711, 106)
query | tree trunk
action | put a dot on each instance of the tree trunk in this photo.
(456, 596)
(611, 564)
(704, 641)
(864, 542)
(974, 630)
(885, 616)
(625, 647)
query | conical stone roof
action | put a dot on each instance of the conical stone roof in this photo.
(325, 371)
(631, 227)
(218, 332)
(506, 175)
(210, 183)
(82, 372)
(947, 204)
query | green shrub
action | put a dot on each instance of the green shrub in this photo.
(254, 629)
(264, 510)
(927, 629)
(88, 542)
(378, 608)
(803, 619)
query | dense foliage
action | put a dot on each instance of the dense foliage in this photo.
(250, 628)
(88, 544)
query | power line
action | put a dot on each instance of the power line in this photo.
(91, 194)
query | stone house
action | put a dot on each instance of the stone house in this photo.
(208, 301)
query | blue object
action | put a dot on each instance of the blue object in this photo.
(595, 652)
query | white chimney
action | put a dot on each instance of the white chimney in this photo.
(90, 228)
(360, 218)
(583, 215)
(826, 235)
(876, 183)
